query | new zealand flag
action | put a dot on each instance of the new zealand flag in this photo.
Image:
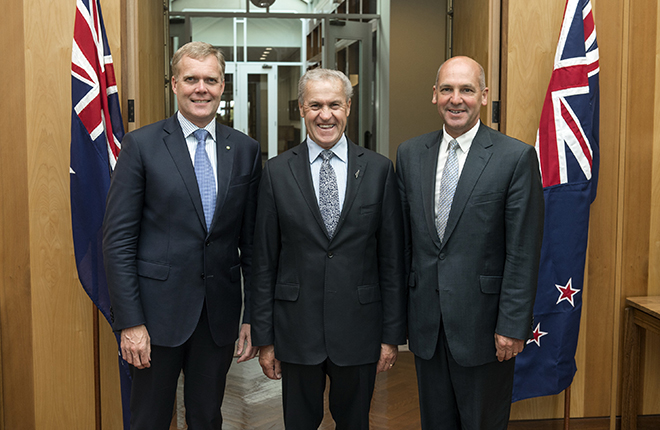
(96, 133)
(567, 147)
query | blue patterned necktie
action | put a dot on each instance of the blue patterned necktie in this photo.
(205, 177)
(328, 193)
(447, 189)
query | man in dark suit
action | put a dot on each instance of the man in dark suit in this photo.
(181, 205)
(473, 211)
(328, 286)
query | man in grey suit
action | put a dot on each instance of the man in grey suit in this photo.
(473, 212)
(181, 206)
(328, 287)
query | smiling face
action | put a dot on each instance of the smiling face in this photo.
(325, 110)
(198, 87)
(458, 95)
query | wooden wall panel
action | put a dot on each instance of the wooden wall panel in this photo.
(111, 412)
(61, 312)
(639, 274)
(651, 395)
(150, 100)
(15, 302)
(599, 322)
(533, 31)
(471, 36)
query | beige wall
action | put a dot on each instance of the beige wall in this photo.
(417, 48)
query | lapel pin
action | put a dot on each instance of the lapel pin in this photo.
(357, 174)
(228, 147)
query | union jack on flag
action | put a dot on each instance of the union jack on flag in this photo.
(567, 147)
(96, 133)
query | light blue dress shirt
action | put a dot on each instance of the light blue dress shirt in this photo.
(339, 163)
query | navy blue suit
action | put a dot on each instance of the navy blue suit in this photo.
(162, 264)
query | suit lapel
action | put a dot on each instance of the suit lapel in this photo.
(300, 169)
(475, 163)
(429, 165)
(225, 156)
(357, 167)
(176, 145)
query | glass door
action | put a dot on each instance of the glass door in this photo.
(350, 49)
(253, 102)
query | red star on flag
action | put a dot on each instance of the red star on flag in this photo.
(567, 292)
(538, 334)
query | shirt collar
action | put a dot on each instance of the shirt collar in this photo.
(189, 128)
(340, 149)
(464, 140)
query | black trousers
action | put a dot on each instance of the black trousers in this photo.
(205, 366)
(454, 397)
(351, 389)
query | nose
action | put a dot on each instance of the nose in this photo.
(201, 86)
(455, 97)
(326, 112)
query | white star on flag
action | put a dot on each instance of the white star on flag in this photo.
(566, 292)
(538, 334)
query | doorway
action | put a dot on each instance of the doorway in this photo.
(266, 53)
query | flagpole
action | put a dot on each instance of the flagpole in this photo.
(97, 368)
(567, 408)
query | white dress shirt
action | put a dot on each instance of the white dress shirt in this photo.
(464, 144)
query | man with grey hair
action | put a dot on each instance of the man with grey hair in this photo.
(328, 293)
(177, 235)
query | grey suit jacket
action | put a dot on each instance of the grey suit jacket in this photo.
(482, 279)
(161, 262)
(315, 297)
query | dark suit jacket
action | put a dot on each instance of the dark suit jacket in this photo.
(313, 297)
(482, 279)
(161, 263)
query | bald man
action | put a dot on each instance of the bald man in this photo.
(473, 215)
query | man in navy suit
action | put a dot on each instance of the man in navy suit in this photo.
(473, 211)
(178, 232)
(329, 293)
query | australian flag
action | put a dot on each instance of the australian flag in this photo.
(96, 133)
(567, 147)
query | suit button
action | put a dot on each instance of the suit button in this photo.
(330, 255)
(203, 276)
(442, 256)
(208, 243)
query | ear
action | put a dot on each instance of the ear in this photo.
(434, 99)
(348, 107)
(300, 110)
(484, 97)
(174, 84)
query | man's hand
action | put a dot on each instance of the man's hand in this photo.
(507, 347)
(388, 354)
(245, 350)
(269, 364)
(136, 346)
